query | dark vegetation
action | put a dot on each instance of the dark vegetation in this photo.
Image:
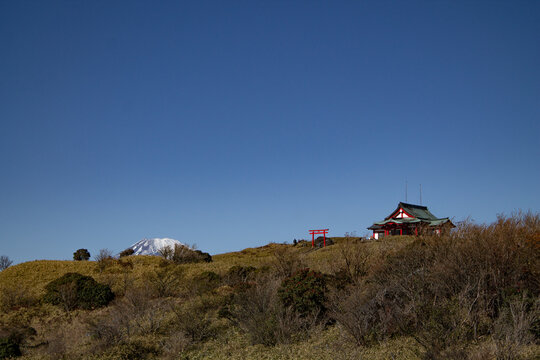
(449, 292)
(9, 348)
(76, 291)
(470, 294)
(304, 292)
(5, 262)
(184, 255)
(81, 255)
(127, 252)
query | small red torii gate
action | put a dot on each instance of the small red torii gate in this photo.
(321, 231)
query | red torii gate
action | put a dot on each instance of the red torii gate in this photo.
(321, 231)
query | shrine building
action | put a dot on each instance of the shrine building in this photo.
(409, 219)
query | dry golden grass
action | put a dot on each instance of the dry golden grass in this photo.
(324, 345)
(67, 332)
(34, 275)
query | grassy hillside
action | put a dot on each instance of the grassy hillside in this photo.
(470, 294)
(34, 275)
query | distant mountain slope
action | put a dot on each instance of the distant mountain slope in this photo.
(152, 246)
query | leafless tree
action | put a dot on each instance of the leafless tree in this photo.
(103, 255)
(68, 296)
(136, 314)
(166, 252)
(163, 282)
(286, 261)
(354, 259)
(103, 259)
(182, 254)
(5, 262)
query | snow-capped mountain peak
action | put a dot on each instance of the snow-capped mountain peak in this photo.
(152, 246)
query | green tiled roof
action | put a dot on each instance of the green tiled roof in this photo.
(399, 221)
(439, 221)
(421, 215)
(418, 211)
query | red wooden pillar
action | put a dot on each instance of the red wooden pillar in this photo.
(313, 232)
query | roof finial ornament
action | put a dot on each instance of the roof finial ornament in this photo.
(406, 191)
(420, 194)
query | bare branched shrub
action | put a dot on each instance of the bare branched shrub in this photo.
(14, 297)
(366, 316)
(67, 294)
(137, 313)
(240, 274)
(442, 329)
(181, 254)
(166, 252)
(194, 321)
(286, 261)
(165, 281)
(174, 344)
(147, 315)
(354, 259)
(5, 262)
(104, 254)
(448, 291)
(104, 259)
(63, 339)
(259, 313)
(56, 346)
(482, 351)
(124, 283)
(514, 327)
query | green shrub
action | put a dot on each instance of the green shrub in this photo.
(240, 274)
(203, 256)
(181, 254)
(205, 282)
(9, 348)
(74, 290)
(81, 254)
(127, 252)
(304, 291)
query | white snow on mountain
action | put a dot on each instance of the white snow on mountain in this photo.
(152, 246)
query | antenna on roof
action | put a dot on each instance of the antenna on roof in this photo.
(420, 194)
(406, 191)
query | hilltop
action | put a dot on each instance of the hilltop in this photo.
(469, 294)
(34, 275)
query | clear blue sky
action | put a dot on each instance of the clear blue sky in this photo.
(231, 124)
